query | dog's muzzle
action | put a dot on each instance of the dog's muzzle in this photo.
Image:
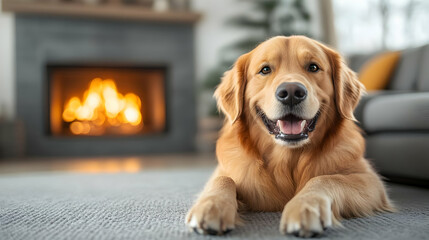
(289, 128)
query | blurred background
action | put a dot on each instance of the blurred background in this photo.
(99, 79)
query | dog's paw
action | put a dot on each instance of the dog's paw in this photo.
(306, 216)
(213, 216)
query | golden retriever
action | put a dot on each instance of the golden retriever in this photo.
(289, 143)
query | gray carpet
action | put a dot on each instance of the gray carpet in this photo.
(152, 205)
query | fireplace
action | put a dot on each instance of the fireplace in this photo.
(146, 69)
(106, 101)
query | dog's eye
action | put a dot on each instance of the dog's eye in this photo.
(313, 68)
(265, 70)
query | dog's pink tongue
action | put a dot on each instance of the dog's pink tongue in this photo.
(290, 127)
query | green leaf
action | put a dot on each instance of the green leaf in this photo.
(245, 21)
(267, 6)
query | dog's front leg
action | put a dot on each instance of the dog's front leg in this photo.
(215, 211)
(323, 199)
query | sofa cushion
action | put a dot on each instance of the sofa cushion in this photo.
(399, 112)
(406, 72)
(376, 73)
(367, 97)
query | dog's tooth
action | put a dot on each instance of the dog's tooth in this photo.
(303, 124)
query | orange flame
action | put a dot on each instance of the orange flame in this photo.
(102, 105)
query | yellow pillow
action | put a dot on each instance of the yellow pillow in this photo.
(375, 74)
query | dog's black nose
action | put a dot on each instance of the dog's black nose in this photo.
(291, 93)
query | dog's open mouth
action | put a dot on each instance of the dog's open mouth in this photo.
(289, 128)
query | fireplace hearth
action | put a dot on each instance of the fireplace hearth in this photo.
(90, 87)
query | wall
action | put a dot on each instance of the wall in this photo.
(7, 88)
(212, 33)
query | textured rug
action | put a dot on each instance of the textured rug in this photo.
(152, 204)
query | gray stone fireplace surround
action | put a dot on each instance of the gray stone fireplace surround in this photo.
(43, 40)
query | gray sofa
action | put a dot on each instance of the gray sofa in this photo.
(396, 120)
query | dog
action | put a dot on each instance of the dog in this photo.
(289, 143)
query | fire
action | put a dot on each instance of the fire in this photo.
(102, 106)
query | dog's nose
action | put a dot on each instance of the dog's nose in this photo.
(291, 93)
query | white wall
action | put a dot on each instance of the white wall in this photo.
(7, 67)
(212, 33)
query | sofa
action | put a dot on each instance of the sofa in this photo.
(395, 119)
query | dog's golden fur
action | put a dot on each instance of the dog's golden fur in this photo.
(315, 183)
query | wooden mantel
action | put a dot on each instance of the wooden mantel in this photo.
(107, 11)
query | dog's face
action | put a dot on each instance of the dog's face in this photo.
(289, 85)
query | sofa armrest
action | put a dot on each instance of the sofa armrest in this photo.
(359, 111)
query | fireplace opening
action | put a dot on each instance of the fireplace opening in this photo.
(106, 101)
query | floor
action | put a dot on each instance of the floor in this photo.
(148, 197)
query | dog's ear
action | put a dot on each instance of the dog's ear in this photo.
(230, 92)
(348, 89)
